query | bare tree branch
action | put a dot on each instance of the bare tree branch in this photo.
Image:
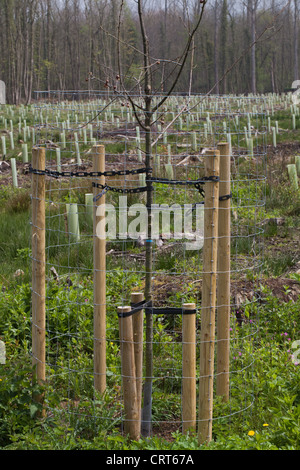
(185, 56)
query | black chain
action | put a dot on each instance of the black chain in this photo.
(106, 187)
(203, 180)
(198, 184)
(200, 188)
(226, 197)
(82, 174)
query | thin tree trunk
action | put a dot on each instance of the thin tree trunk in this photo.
(216, 55)
(252, 6)
(147, 405)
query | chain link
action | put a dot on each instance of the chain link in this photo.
(214, 179)
(198, 184)
(106, 187)
(82, 174)
(226, 197)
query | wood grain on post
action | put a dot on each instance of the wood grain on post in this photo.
(131, 422)
(223, 291)
(38, 269)
(188, 369)
(98, 154)
(138, 332)
(207, 338)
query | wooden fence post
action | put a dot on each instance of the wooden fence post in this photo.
(38, 270)
(98, 153)
(188, 369)
(223, 290)
(131, 423)
(207, 344)
(138, 330)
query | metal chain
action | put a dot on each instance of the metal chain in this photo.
(203, 180)
(197, 183)
(82, 174)
(106, 187)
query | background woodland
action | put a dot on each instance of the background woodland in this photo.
(83, 44)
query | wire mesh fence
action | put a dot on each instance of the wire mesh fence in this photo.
(71, 126)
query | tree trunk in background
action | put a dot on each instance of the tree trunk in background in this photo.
(223, 44)
(216, 48)
(29, 50)
(48, 45)
(252, 9)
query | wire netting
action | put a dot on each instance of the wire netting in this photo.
(68, 125)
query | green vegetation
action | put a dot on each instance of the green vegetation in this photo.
(275, 385)
(264, 408)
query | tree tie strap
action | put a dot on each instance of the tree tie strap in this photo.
(149, 309)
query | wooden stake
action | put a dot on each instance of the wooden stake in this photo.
(223, 291)
(188, 369)
(38, 270)
(137, 324)
(131, 422)
(98, 153)
(208, 298)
